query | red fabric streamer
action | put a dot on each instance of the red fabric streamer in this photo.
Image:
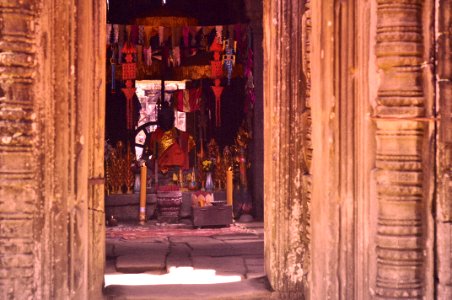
(217, 91)
(129, 92)
(188, 100)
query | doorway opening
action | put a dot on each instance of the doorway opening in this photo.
(184, 198)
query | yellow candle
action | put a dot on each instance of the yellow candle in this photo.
(142, 216)
(229, 186)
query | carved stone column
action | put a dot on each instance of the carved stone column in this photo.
(19, 184)
(286, 212)
(444, 90)
(306, 133)
(52, 62)
(401, 123)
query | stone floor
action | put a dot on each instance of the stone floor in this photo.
(216, 264)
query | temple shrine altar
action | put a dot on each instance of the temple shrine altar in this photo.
(179, 107)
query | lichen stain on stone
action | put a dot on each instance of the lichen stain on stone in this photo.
(297, 179)
(295, 270)
(6, 139)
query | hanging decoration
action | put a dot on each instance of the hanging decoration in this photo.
(249, 86)
(188, 100)
(216, 74)
(113, 36)
(150, 43)
(129, 73)
(229, 57)
(217, 91)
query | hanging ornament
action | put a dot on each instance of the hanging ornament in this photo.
(113, 40)
(129, 71)
(219, 33)
(134, 34)
(113, 70)
(229, 57)
(141, 35)
(185, 35)
(129, 92)
(161, 35)
(216, 74)
(217, 91)
(122, 34)
(176, 56)
(149, 56)
(129, 67)
(249, 86)
(109, 29)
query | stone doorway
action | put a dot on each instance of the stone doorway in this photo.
(248, 260)
(372, 89)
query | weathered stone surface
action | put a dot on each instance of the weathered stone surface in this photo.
(46, 156)
(222, 265)
(254, 267)
(179, 256)
(401, 240)
(444, 180)
(237, 237)
(178, 260)
(110, 266)
(285, 199)
(132, 247)
(137, 263)
(207, 246)
(246, 290)
(19, 179)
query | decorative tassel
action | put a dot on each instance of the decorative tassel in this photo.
(217, 91)
(149, 56)
(113, 76)
(161, 34)
(229, 58)
(176, 56)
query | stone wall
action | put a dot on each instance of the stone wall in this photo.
(444, 171)
(19, 159)
(51, 157)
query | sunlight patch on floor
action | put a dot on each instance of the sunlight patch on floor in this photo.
(180, 275)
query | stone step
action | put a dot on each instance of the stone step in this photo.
(137, 263)
(253, 289)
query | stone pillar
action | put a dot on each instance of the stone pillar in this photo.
(403, 257)
(52, 62)
(325, 223)
(444, 180)
(19, 158)
(286, 212)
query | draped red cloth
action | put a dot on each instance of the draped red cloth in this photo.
(188, 100)
(171, 147)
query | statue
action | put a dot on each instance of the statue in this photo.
(168, 145)
(242, 139)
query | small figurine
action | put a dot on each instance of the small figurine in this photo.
(229, 58)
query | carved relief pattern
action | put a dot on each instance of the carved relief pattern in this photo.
(18, 196)
(307, 129)
(399, 176)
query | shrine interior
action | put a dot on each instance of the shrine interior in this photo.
(205, 57)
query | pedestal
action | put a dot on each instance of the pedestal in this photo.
(168, 206)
